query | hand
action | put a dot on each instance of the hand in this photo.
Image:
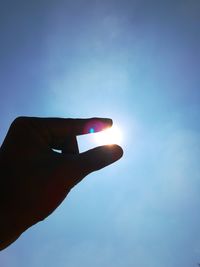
(34, 179)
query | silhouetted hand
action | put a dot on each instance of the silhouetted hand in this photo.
(34, 179)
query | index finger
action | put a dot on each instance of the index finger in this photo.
(56, 130)
(60, 126)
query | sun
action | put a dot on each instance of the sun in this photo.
(108, 136)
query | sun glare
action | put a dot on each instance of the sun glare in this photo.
(109, 136)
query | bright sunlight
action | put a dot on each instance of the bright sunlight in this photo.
(108, 136)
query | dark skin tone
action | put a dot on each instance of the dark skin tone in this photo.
(34, 179)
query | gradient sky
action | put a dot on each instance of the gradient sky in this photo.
(137, 62)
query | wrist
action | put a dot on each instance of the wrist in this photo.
(9, 231)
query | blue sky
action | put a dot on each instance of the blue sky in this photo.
(138, 63)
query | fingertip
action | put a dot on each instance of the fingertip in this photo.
(97, 125)
(115, 152)
(119, 151)
(104, 122)
(108, 122)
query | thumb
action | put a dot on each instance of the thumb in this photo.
(98, 158)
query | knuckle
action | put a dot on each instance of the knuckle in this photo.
(20, 122)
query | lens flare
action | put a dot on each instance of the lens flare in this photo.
(91, 130)
(109, 136)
